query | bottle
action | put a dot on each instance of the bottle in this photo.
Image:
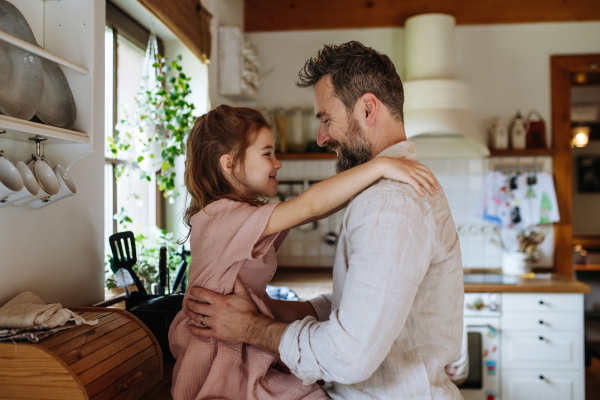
(518, 132)
(499, 135)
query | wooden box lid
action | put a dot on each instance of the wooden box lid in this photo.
(119, 358)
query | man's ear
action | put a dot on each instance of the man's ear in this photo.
(226, 162)
(370, 104)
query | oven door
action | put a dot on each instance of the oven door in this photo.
(483, 382)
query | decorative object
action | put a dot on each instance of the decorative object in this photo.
(518, 132)
(498, 134)
(581, 136)
(515, 263)
(536, 131)
(588, 174)
(22, 71)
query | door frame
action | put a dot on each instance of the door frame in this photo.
(561, 68)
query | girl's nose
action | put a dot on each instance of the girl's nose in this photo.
(277, 164)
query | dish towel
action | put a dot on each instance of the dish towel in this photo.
(29, 317)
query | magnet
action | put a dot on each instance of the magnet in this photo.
(494, 349)
(490, 367)
(491, 332)
(491, 395)
(485, 353)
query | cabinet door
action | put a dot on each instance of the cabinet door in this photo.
(542, 322)
(542, 385)
(541, 302)
(543, 350)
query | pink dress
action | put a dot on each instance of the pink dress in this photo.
(225, 242)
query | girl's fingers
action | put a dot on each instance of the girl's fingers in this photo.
(429, 176)
(423, 182)
(415, 184)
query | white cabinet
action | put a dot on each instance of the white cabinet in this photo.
(542, 385)
(542, 346)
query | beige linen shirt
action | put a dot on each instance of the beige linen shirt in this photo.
(394, 319)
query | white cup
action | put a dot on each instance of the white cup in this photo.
(66, 189)
(30, 187)
(46, 179)
(11, 181)
(515, 263)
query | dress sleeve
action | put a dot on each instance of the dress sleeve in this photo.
(236, 232)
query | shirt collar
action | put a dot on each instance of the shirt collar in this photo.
(404, 148)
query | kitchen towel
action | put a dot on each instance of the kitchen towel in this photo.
(28, 311)
(537, 200)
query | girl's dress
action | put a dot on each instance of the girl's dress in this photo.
(225, 242)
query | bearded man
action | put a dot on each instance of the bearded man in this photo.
(394, 319)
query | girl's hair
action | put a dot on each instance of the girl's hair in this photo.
(224, 130)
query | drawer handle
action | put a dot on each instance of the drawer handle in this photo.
(542, 302)
(542, 378)
(541, 322)
(541, 338)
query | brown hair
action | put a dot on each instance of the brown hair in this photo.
(224, 130)
(355, 70)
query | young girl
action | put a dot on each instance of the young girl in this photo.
(230, 169)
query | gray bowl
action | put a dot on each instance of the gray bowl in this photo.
(57, 106)
(21, 76)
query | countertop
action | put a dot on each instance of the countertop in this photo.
(311, 282)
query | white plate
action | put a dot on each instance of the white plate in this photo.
(20, 71)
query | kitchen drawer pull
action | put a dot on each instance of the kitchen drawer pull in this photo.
(541, 338)
(541, 322)
(542, 302)
(542, 378)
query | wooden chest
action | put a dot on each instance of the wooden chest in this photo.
(118, 358)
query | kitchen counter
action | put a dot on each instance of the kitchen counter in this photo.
(311, 282)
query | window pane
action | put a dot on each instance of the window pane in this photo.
(136, 196)
(108, 205)
(108, 88)
(130, 67)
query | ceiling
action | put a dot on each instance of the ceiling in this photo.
(287, 15)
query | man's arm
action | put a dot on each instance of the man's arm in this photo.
(289, 311)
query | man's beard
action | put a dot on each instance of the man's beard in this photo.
(355, 150)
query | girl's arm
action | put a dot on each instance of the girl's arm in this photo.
(333, 192)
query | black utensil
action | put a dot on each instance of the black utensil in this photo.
(183, 253)
(162, 271)
(127, 259)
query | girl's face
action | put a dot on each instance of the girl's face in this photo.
(260, 172)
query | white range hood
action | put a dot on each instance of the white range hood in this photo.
(437, 107)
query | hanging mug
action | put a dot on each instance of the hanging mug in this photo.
(11, 181)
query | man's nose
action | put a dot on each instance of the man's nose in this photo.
(323, 137)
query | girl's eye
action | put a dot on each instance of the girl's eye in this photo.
(267, 154)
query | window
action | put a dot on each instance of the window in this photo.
(127, 194)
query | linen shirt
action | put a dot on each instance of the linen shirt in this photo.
(395, 317)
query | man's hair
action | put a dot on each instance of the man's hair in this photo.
(355, 70)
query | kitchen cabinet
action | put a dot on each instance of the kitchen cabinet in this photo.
(542, 346)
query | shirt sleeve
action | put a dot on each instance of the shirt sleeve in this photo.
(236, 232)
(322, 305)
(389, 244)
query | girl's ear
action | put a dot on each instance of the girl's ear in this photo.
(226, 162)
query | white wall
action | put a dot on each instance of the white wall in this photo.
(508, 66)
(58, 252)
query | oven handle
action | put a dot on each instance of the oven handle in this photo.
(481, 326)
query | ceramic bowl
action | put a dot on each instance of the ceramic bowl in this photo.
(57, 106)
(21, 75)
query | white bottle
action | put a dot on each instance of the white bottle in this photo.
(499, 135)
(518, 132)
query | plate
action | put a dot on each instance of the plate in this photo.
(21, 77)
(57, 106)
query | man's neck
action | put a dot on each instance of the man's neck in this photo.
(388, 135)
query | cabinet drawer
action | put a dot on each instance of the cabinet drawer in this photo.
(544, 351)
(542, 384)
(542, 302)
(542, 322)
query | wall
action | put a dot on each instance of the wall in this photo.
(58, 252)
(508, 67)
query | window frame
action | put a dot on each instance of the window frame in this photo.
(123, 24)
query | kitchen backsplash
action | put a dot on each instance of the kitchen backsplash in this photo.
(462, 181)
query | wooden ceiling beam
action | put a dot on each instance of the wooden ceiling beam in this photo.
(287, 15)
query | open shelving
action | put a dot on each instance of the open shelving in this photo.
(522, 153)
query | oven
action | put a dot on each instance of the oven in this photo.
(482, 320)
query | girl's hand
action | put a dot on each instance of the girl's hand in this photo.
(415, 174)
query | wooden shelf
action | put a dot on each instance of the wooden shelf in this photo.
(588, 242)
(522, 153)
(19, 129)
(586, 267)
(306, 156)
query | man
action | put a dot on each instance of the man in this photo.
(394, 319)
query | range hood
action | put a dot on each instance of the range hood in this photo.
(437, 106)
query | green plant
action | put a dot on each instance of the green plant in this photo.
(162, 118)
(148, 252)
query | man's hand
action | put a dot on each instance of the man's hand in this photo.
(233, 318)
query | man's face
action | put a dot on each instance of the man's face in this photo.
(339, 129)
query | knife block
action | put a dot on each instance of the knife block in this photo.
(118, 358)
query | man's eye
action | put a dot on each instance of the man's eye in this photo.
(326, 121)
